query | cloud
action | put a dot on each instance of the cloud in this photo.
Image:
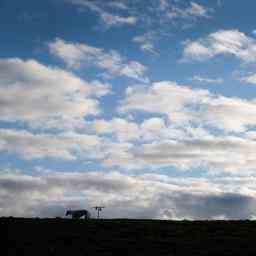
(44, 97)
(108, 19)
(184, 105)
(146, 42)
(222, 42)
(66, 146)
(193, 11)
(159, 16)
(186, 129)
(186, 152)
(75, 54)
(250, 79)
(125, 196)
(123, 129)
(207, 80)
(197, 10)
(115, 20)
(208, 153)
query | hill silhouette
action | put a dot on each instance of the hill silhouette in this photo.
(127, 237)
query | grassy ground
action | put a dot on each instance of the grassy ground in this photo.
(127, 237)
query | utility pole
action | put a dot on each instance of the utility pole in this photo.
(98, 209)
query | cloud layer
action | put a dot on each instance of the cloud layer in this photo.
(141, 196)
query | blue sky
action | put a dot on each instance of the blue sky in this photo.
(137, 105)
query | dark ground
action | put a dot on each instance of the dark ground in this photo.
(127, 237)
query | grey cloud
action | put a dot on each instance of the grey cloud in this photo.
(210, 153)
(140, 196)
(226, 206)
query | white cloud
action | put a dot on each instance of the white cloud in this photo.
(165, 98)
(43, 96)
(193, 11)
(75, 55)
(184, 105)
(118, 5)
(157, 18)
(223, 42)
(146, 42)
(126, 196)
(123, 129)
(197, 129)
(250, 79)
(197, 10)
(108, 19)
(207, 80)
(153, 124)
(115, 20)
(67, 145)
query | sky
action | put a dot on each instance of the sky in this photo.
(145, 107)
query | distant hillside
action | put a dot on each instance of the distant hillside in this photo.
(127, 237)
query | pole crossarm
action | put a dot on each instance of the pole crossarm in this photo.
(98, 209)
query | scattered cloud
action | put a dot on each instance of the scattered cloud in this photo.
(197, 129)
(178, 132)
(108, 19)
(115, 20)
(223, 42)
(158, 16)
(76, 54)
(250, 79)
(193, 11)
(146, 42)
(207, 80)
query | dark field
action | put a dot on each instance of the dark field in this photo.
(127, 237)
